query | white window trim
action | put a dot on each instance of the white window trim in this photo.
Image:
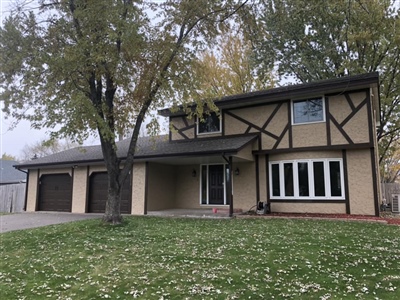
(213, 132)
(201, 185)
(299, 100)
(311, 196)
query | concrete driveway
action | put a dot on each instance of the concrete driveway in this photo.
(20, 221)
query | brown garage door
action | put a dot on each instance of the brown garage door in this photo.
(55, 192)
(98, 190)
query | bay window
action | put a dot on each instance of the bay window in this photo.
(306, 179)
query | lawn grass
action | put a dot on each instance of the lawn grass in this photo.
(173, 258)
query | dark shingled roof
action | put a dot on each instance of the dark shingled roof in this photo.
(340, 84)
(148, 147)
(8, 174)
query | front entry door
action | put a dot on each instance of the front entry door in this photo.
(216, 184)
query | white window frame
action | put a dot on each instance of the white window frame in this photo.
(213, 132)
(300, 100)
(296, 196)
(201, 185)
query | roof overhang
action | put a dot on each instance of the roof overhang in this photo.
(201, 151)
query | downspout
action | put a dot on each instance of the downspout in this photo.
(229, 187)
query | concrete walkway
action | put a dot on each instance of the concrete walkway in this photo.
(24, 220)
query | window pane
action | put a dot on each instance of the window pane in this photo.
(315, 110)
(211, 123)
(275, 180)
(310, 110)
(204, 185)
(334, 172)
(288, 173)
(319, 179)
(303, 179)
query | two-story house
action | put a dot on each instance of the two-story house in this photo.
(306, 148)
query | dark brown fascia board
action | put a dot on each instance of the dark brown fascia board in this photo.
(63, 164)
(341, 84)
(137, 158)
(142, 158)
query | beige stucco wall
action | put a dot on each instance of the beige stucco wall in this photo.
(262, 177)
(357, 127)
(179, 124)
(138, 188)
(161, 187)
(305, 155)
(56, 171)
(244, 186)
(32, 190)
(339, 108)
(323, 208)
(280, 120)
(258, 116)
(360, 182)
(309, 135)
(246, 152)
(187, 188)
(79, 190)
(100, 168)
(234, 126)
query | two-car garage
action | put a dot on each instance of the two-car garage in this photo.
(55, 193)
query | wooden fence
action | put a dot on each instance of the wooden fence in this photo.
(12, 197)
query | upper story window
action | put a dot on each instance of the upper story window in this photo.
(211, 123)
(308, 111)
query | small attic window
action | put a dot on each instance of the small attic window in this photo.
(211, 123)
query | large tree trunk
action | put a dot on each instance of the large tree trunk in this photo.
(113, 205)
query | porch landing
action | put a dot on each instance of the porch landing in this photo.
(194, 213)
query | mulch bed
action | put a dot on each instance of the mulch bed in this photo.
(388, 218)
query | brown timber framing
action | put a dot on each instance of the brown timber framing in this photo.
(374, 179)
(327, 122)
(26, 190)
(37, 190)
(267, 177)
(373, 158)
(252, 125)
(257, 179)
(146, 188)
(229, 195)
(289, 108)
(346, 181)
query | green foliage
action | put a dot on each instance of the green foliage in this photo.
(228, 69)
(81, 67)
(6, 156)
(312, 40)
(173, 258)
